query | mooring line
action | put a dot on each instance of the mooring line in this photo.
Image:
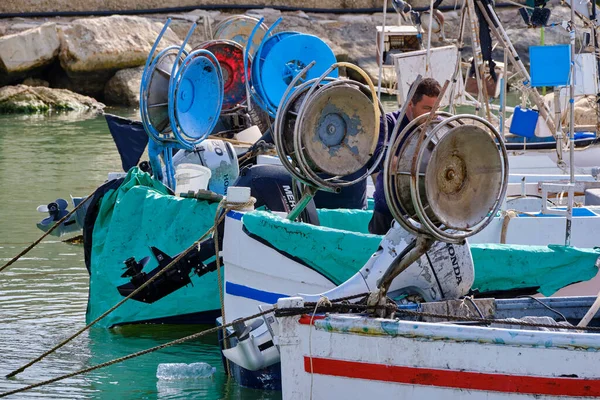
(130, 356)
(136, 291)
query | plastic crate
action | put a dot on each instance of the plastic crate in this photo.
(524, 122)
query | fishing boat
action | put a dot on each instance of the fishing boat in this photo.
(423, 262)
(359, 355)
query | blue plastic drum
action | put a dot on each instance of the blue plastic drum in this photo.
(198, 99)
(261, 55)
(286, 58)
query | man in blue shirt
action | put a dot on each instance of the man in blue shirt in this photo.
(422, 102)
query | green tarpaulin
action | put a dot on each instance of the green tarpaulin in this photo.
(339, 253)
(137, 215)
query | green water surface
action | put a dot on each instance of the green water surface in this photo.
(43, 296)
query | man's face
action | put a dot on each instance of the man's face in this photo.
(423, 106)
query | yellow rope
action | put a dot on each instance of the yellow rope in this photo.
(229, 206)
(136, 291)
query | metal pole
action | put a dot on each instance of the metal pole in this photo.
(308, 195)
(458, 68)
(381, 44)
(427, 57)
(572, 98)
(571, 127)
(503, 101)
(477, 56)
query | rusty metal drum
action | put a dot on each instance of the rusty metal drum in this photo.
(448, 178)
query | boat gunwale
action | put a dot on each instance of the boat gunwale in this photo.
(366, 326)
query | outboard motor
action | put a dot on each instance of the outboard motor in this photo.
(173, 279)
(447, 184)
(271, 185)
(217, 155)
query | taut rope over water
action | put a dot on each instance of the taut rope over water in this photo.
(310, 308)
(130, 356)
(175, 261)
(60, 221)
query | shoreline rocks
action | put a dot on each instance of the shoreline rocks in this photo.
(22, 53)
(23, 99)
(103, 56)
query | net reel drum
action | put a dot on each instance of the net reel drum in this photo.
(326, 129)
(279, 59)
(181, 97)
(449, 178)
(154, 96)
(238, 28)
(230, 56)
(444, 180)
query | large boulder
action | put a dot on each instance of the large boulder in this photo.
(27, 99)
(93, 49)
(124, 88)
(28, 51)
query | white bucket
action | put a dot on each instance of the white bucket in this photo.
(192, 177)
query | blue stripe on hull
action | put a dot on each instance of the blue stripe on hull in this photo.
(254, 294)
(235, 215)
(577, 212)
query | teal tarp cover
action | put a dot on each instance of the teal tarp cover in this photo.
(502, 266)
(137, 215)
(335, 253)
(340, 253)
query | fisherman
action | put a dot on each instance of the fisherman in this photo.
(422, 102)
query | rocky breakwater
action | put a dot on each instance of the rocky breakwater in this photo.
(104, 57)
(79, 56)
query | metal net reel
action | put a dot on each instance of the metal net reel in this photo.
(180, 100)
(279, 59)
(446, 179)
(327, 128)
(238, 29)
(231, 60)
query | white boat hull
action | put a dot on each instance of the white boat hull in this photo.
(352, 357)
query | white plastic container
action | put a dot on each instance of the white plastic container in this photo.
(192, 177)
(249, 135)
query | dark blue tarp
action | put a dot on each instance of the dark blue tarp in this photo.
(130, 137)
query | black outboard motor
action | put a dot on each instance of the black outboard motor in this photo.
(271, 185)
(174, 279)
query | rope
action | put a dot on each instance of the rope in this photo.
(130, 356)
(177, 341)
(309, 307)
(218, 261)
(508, 215)
(260, 147)
(232, 141)
(56, 225)
(136, 291)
